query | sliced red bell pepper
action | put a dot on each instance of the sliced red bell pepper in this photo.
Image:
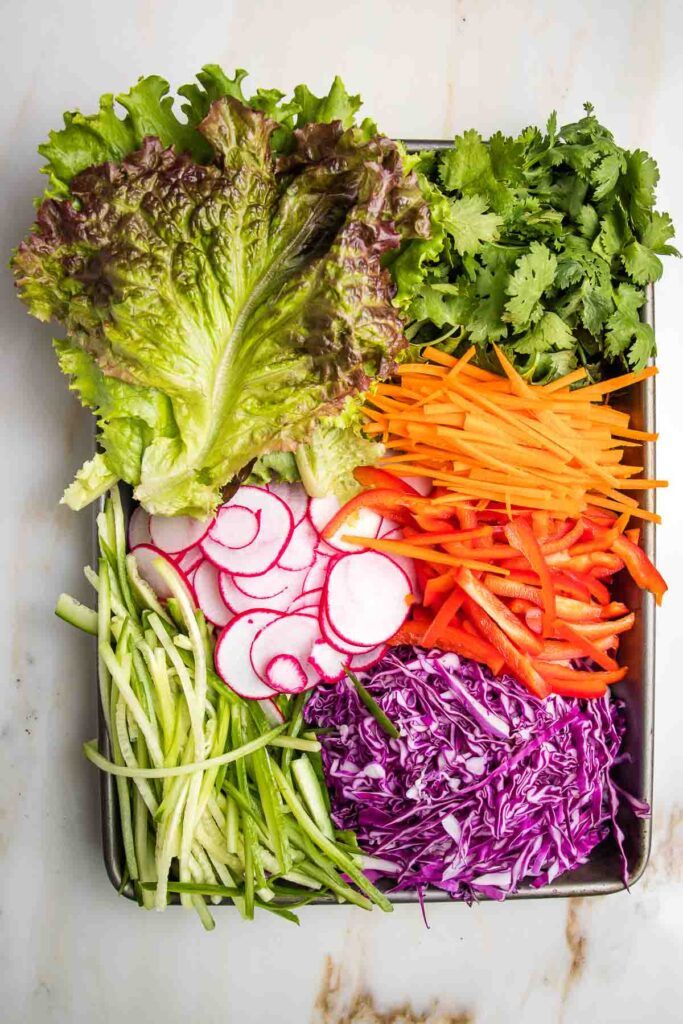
(499, 612)
(373, 476)
(512, 588)
(520, 665)
(541, 523)
(588, 648)
(589, 689)
(444, 616)
(452, 639)
(386, 502)
(567, 537)
(436, 587)
(599, 630)
(467, 517)
(640, 567)
(550, 671)
(585, 586)
(559, 650)
(521, 536)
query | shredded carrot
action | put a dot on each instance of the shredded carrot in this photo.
(478, 435)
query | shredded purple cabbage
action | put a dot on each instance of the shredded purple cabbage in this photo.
(485, 787)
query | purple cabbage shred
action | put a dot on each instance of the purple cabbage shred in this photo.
(486, 786)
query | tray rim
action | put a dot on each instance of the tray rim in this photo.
(563, 887)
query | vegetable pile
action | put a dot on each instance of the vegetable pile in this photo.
(293, 608)
(484, 786)
(220, 791)
(372, 409)
(543, 243)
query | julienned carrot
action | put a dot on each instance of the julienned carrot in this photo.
(398, 547)
(480, 435)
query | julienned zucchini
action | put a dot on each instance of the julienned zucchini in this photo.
(76, 614)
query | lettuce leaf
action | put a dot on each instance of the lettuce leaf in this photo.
(216, 310)
(337, 445)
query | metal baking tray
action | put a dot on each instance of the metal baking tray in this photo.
(602, 873)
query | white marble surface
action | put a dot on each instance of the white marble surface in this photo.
(71, 952)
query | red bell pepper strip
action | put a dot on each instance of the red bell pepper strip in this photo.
(588, 648)
(599, 630)
(444, 616)
(372, 476)
(386, 502)
(571, 675)
(512, 588)
(640, 567)
(559, 650)
(590, 689)
(521, 536)
(436, 587)
(565, 540)
(452, 639)
(585, 586)
(499, 612)
(467, 517)
(520, 665)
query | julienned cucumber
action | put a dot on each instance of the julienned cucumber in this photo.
(76, 614)
(206, 787)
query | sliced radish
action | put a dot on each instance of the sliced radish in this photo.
(361, 523)
(334, 640)
(209, 596)
(389, 530)
(145, 556)
(276, 581)
(138, 528)
(301, 550)
(367, 660)
(294, 496)
(239, 602)
(288, 634)
(329, 663)
(174, 534)
(365, 598)
(231, 656)
(321, 511)
(276, 526)
(422, 484)
(309, 599)
(271, 711)
(190, 559)
(235, 526)
(317, 574)
(285, 674)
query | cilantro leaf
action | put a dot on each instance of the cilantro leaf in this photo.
(534, 274)
(470, 225)
(641, 263)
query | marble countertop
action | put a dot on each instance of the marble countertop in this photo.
(71, 951)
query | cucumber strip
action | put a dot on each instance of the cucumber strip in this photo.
(141, 834)
(76, 614)
(385, 723)
(234, 755)
(231, 825)
(103, 635)
(309, 787)
(296, 721)
(120, 678)
(205, 917)
(142, 590)
(167, 842)
(294, 743)
(248, 837)
(120, 551)
(143, 786)
(271, 804)
(327, 846)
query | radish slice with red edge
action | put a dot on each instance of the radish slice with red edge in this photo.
(359, 662)
(239, 602)
(422, 484)
(190, 559)
(366, 598)
(285, 674)
(276, 526)
(231, 656)
(361, 523)
(235, 526)
(317, 574)
(272, 712)
(138, 528)
(321, 510)
(301, 550)
(289, 634)
(174, 534)
(294, 497)
(209, 596)
(271, 583)
(334, 640)
(309, 599)
(389, 530)
(145, 556)
(329, 663)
